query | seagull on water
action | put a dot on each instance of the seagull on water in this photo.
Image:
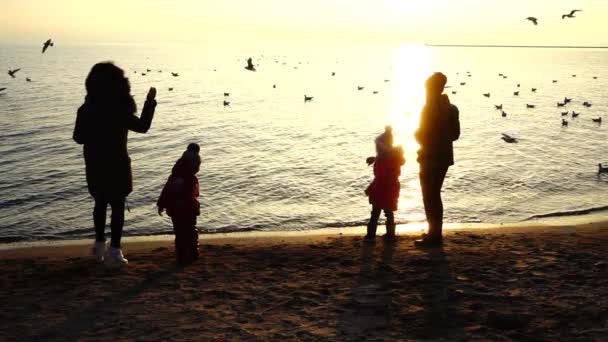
(598, 120)
(564, 122)
(509, 139)
(571, 15)
(250, 65)
(486, 95)
(47, 44)
(308, 98)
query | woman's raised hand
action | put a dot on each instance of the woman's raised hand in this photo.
(151, 93)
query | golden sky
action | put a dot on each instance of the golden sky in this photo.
(412, 21)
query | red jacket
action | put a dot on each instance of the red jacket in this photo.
(179, 195)
(383, 192)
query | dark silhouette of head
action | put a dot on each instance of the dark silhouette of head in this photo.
(191, 155)
(194, 147)
(435, 85)
(109, 89)
(384, 142)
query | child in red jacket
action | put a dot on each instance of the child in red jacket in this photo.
(383, 192)
(179, 199)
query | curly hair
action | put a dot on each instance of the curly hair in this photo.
(109, 90)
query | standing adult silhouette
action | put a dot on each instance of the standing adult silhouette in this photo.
(102, 126)
(439, 128)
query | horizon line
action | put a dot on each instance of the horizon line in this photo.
(520, 46)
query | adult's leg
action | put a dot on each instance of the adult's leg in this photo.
(118, 221)
(439, 178)
(194, 239)
(372, 225)
(390, 223)
(431, 182)
(99, 219)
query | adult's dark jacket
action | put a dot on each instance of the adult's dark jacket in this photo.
(104, 133)
(439, 128)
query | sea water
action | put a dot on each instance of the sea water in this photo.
(272, 161)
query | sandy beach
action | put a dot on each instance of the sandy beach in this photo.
(486, 284)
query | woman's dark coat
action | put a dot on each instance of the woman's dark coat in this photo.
(104, 134)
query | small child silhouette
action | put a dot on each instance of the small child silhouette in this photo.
(383, 192)
(179, 199)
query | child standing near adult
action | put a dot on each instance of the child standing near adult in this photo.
(179, 199)
(383, 192)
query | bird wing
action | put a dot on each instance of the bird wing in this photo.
(2, 89)
(14, 71)
(506, 136)
(574, 11)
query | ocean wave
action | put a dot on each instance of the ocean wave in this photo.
(568, 213)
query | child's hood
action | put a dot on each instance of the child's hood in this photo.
(183, 168)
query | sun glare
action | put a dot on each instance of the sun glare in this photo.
(411, 68)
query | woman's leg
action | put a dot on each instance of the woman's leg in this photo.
(99, 219)
(390, 223)
(118, 221)
(431, 182)
(372, 225)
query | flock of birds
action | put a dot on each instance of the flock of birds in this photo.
(570, 15)
(560, 104)
(47, 44)
(307, 98)
(252, 67)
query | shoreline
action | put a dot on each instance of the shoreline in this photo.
(80, 247)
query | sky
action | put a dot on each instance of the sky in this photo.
(405, 21)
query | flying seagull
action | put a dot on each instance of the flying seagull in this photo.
(47, 44)
(532, 19)
(571, 15)
(13, 72)
(175, 74)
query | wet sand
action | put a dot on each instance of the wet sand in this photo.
(497, 284)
